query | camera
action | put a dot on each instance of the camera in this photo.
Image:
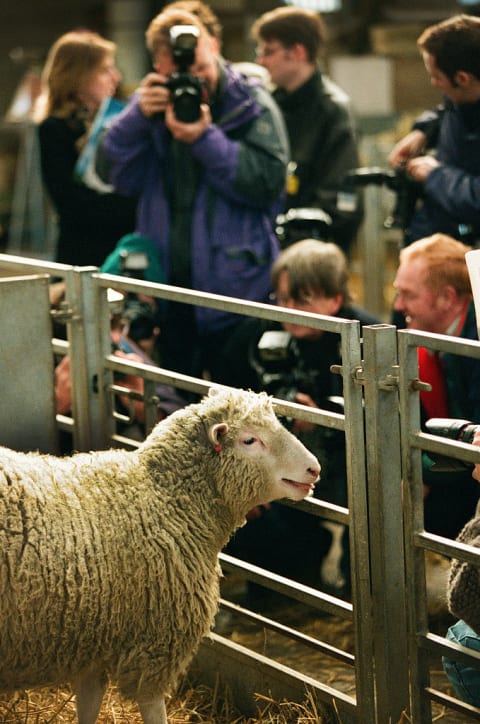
(453, 429)
(301, 223)
(186, 90)
(280, 369)
(133, 264)
(140, 318)
(407, 191)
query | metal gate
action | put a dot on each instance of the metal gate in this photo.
(384, 514)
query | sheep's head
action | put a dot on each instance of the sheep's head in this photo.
(259, 459)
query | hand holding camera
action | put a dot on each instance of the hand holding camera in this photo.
(187, 132)
(154, 96)
(178, 94)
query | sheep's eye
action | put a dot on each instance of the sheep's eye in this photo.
(249, 440)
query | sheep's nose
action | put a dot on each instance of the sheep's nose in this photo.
(314, 472)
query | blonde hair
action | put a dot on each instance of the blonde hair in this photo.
(203, 12)
(71, 60)
(445, 263)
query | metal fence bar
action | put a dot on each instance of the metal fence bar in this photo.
(416, 593)
(385, 522)
(351, 371)
(422, 643)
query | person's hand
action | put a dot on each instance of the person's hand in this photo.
(153, 95)
(63, 386)
(56, 293)
(188, 132)
(476, 469)
(411, 145)
(421, 167)
(304, 425)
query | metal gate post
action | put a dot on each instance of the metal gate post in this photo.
(89, 337)
(358, 520)
(419, 656)
(386, 521)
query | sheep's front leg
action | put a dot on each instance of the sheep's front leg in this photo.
(153, 711)
(89, 689)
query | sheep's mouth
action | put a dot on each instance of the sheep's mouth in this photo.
(306, 487)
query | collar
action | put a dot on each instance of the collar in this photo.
(301, 94)
(455, 328)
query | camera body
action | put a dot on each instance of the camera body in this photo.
(279, 367)
(140, 316)
(302, 223)
(186, 90)
(453, 429)
(133, 264)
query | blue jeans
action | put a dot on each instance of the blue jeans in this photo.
(464, 679)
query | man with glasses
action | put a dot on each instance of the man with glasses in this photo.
(317, 114)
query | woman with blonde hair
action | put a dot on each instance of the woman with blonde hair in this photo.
(79, 73)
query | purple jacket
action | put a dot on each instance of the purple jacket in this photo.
(243, 160)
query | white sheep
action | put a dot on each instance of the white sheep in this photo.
(108, 560)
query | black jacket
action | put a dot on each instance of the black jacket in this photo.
(323, 146)
(90, 223)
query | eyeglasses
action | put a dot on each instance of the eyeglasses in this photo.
(283, 300)
(266, 51)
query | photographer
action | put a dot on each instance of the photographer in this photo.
(208, 185)
(312, 276)
(291, 42)
(451, 176)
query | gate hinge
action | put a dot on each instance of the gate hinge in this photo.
(388, 383)
(358, 374)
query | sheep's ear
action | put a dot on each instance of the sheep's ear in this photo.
(215, 433)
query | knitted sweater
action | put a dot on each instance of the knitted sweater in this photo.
(463, 590)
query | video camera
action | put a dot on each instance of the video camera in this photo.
(185, 88)
(406, 189)
(453, 429)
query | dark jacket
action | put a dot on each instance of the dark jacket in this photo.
(323, 145)
(453, 495)
(239, 166)
(90, 223)
(462, 376)
(451, 193)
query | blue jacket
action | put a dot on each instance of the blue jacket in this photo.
(242, 159)
(451, 191)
